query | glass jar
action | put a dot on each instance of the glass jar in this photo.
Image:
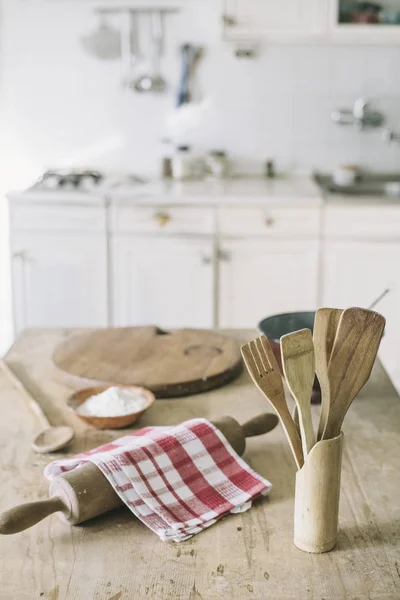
(217, 164)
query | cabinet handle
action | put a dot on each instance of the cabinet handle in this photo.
(205, 259)
(269, 222)
(21, 255)
(224, 255)
(229, 21)
(162, 218)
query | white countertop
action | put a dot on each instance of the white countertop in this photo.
(353, 201)
(289, 191)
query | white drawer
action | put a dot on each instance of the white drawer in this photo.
(162, 219)
(377, 222)
(58, 218)
(269, 222)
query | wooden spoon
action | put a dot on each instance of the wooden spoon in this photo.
(51, 438)
(298, 363)
(353, 356)
(325, 328)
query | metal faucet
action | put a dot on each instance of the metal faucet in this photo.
(362, 115)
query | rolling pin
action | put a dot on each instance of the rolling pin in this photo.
(84, 493)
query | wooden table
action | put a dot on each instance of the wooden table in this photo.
(248, 556)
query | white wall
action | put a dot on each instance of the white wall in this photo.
(62, 103)
(59, 105)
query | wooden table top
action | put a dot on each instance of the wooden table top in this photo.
(245, 556)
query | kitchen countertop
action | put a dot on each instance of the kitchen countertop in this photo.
(353, 201)
(245, 556)
(292, 191)
(283, 191)
(289, 191)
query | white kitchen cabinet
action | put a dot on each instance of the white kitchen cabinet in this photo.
(166, 281)
(258, 278)
(59, 280)
(343, 26)
(246, 19)
(355, 274)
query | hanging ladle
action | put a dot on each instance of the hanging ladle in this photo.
(154, 82)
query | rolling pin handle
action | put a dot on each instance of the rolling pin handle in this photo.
(260, 424)
(25, 515)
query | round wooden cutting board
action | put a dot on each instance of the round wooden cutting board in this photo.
(177, 363)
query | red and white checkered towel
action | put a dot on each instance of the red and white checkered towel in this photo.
(177, 480)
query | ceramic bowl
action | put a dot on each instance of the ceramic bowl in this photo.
(109, 422)
(276, 326)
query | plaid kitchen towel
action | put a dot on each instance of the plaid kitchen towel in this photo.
(177, 480)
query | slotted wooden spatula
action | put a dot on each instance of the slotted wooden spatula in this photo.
(325, 327)
(298, 363)
(353, 355)
(264, 371)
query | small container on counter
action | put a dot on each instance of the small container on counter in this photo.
(269, 169)
(217, 164)
(182, 163)
(345, 175)
(167, 152)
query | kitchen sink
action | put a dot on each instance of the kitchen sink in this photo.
(367, 184)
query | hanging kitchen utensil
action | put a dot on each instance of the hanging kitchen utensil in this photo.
(190, 56)
(353, 355)
(299, 368)
(104, 42)
(154, 81)
(264, 371)
(325, 328)
(130, 46)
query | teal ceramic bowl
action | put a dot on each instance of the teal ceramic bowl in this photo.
(276, 326)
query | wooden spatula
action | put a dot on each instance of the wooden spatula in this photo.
(325, 327)
(352, 358)
(264, 371)
(298, 362)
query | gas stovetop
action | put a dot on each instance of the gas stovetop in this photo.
(82, 180)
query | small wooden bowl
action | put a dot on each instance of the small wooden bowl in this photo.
(109, 422)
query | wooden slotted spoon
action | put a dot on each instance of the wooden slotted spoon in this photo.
(353, 355)
(325, 328)
(264, 371)
(298, 363)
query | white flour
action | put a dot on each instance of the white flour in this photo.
(113, 402)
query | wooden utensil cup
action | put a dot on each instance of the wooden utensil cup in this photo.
(316, 507)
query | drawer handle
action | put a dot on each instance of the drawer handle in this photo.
(229, 20)
(224, 255)
(162, 218)
(22, 255)
(206, 259)
(269, 222)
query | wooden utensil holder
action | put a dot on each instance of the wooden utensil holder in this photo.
(316, 507)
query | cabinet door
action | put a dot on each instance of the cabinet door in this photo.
(245, 18)
(355, 273)
(163, 281)
(362, 22)
(59, 281)
(259, 278)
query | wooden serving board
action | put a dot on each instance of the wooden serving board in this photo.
(177, 363)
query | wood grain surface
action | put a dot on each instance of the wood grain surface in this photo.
(170, 364)
(250, 556)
